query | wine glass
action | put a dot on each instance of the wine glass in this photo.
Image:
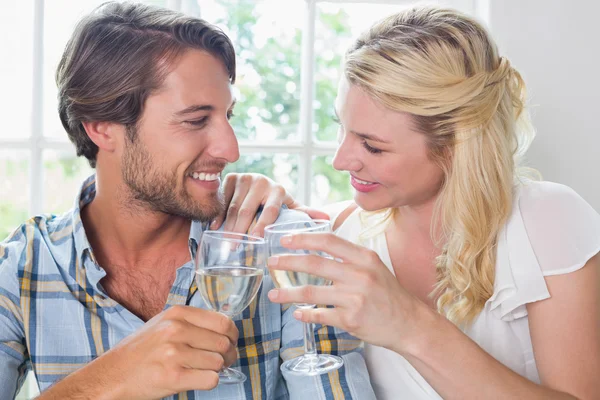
(311, 363)
(229, 271)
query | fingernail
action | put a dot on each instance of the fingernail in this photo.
(297, 314)
(273, 294)
(273, 261)
(213, 225)
(286, 239)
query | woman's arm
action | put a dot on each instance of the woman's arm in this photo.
(565, 333)
(371, 304)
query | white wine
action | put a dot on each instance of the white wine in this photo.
(228, 289)
(291, 279)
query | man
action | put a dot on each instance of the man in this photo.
(100, 302)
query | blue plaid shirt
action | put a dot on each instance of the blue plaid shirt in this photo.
(55, 317)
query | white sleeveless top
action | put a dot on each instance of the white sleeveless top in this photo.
(551, 231)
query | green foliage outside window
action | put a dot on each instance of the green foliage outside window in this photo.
(272, 105)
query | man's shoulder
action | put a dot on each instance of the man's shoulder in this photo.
(48, 228)
(287, 215)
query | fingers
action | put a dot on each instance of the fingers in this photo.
(306, 295)
(202, 338)
(316, 214)
(312, 212)
(196, 379)
(190, 357)
(243, 184)
(228, 190)
(252, 201)
(231, 356)
(270, 211)
(312, 264)
(332, 245)
(210, 320)
(321, 316)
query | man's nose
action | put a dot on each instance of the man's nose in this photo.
(225, 145)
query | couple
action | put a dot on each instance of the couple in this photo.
(463, 278)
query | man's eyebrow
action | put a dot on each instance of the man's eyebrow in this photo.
(200, 107)
(363, 135)
(193, 109)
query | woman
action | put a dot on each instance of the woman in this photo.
(465, 278)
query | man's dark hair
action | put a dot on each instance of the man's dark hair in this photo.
(118, 55)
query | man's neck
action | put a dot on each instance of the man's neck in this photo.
(124, 233)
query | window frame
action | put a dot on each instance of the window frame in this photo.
(306, 148)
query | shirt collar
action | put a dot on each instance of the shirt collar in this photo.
(83, 248)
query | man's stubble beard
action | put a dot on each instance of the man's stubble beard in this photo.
(157, 190)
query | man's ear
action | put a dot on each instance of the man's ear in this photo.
(105, 135)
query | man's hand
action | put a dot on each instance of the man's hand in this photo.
(245, 193)
(181, 349)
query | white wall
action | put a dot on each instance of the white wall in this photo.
(555, 44)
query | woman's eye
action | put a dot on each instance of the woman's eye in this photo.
(370, 149)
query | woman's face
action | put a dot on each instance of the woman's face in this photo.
(387, 158)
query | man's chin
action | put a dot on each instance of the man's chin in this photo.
(207, 209)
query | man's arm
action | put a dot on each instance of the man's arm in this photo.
(180, 349)
(13, 351)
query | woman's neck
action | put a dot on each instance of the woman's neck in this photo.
(416, 221)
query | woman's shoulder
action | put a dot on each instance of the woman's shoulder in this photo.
(563, 229)
(339, 212)
(551, 231)
(551, 196)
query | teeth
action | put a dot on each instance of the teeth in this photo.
(363, 182)
(202, 176)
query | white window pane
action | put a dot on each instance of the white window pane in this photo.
(328, 185)
(336, 28)
(64, 173)
(60, 19)
(267, 38)
(281, 167)
(14, 190)
(16, 49)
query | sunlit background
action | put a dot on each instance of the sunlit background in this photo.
(41, 174)
(289, 54)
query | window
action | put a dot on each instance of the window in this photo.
(289, 57)
(288, 68)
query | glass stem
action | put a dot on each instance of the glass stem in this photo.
(310, 347)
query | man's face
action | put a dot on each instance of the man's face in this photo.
(183, 141)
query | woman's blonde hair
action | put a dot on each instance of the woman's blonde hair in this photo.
(443, 68)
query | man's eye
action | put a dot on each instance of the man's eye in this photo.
(230, 115)
(197, 122)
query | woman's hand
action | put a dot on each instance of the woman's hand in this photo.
(246, 193)
(369, 302)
